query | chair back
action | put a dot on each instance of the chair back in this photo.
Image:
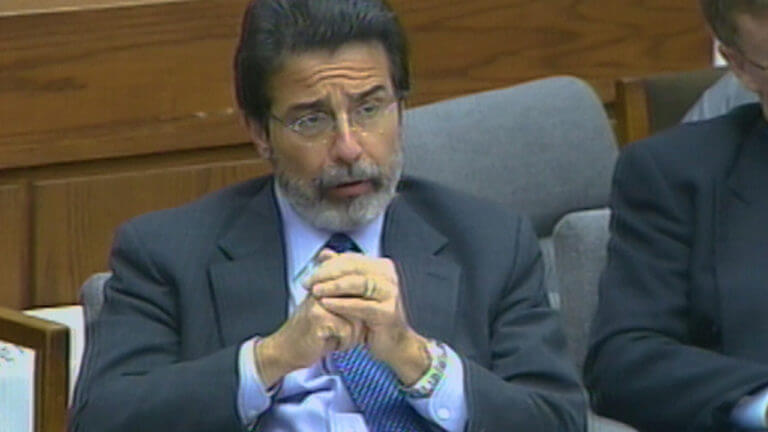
(579, 243)
(543, 148)
(92, 295)
(646, 105)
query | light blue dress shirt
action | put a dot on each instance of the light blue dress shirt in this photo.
(315, 398)
(750, 412)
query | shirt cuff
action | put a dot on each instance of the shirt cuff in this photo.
(252, 396)
(750, 412)
(447, 406)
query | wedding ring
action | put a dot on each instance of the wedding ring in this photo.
(370, 289)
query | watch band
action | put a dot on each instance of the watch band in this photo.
(429, 382)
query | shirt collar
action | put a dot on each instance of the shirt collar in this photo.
(303, 241)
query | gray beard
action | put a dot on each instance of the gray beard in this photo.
(306, 196)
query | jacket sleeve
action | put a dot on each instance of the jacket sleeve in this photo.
(530, 385)
(644, 366)
(133, 377)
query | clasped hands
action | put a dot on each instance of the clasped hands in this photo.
(352, 299)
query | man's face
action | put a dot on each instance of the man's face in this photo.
(334, 134)
(750, 60)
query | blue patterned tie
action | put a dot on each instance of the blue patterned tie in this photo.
(372, 384)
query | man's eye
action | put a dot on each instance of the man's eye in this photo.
(368, 109)
(311, 121)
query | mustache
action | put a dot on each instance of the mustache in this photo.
(336, 175)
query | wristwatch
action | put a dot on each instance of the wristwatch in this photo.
(428, 383)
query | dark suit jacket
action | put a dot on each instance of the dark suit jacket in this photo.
(191, 284)
(681, 332)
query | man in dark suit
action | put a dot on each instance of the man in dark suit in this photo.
(331, 296)
(680, 340)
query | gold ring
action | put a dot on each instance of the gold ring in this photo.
(370, 289)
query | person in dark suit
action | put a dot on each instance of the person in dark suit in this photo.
(680, 340)
(333, 295)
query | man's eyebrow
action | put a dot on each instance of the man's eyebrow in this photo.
(319, 104)
(367, 93)
(306, 106)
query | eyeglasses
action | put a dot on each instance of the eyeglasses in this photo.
(366, 117)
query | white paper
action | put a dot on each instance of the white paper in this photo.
(17, 383)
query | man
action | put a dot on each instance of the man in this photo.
(332, 296)
(680, 340)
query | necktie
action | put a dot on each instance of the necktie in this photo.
(372, 384)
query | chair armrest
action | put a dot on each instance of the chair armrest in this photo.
(50, 341)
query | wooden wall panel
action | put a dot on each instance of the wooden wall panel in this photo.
(14, 246)
(111, 82)
(75, 218)
(18, 7)
(466, 46)
(155, 76)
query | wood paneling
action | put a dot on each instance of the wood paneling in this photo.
(156, 77)
(14, 246)
(631, 111)
(75, 218)
(26, 7)
(121, 81)
(462, 46)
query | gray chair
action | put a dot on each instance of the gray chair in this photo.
(92, 295)
(579, 242)
(546, 149)
(543, 148)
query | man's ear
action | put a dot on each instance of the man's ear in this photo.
(259, 138)
(738, 66)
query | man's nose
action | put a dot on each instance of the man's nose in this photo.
(346, 146)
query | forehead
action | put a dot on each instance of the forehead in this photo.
(352, 68)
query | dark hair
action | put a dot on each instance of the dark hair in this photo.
(274, 28)
(721, 15)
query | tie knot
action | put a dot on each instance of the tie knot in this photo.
(341, 243)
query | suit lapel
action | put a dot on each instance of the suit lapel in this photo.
(429, 281)
(741, 250)
(249, 289)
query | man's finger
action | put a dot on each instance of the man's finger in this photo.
(364, 287)
(353, 308)
(338, 266)
(325, 255)
(345, 286)
(359, 333)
